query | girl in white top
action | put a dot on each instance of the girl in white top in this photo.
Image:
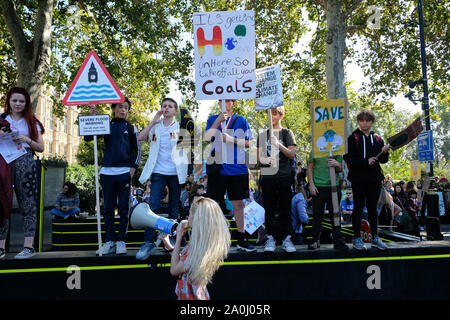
(27, 130)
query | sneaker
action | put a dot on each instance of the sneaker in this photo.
(245, 246)
(340, 245)
(315, 245)
(377, 243)
(107, 248)
(25, 253)
(288, 246)
(121, 247)
(358, 244)
(270, 244)
(2, 253)
(145, 251)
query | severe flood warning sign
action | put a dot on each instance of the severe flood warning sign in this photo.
(93, 85)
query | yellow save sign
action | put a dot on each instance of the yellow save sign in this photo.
(329, 129)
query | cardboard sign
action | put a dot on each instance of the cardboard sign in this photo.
(415, 170)
(254, 215)
(93, 125)
(329, 130)
(224, 50)
(269, 91)
(92, 85)
(407, 135)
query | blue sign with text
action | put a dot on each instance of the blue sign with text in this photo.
(425, 146)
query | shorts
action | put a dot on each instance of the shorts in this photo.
(236, 186)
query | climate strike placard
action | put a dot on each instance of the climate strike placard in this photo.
(269, 93)
(224, 46)
(329, 127)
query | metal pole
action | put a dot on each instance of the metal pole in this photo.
(97, 200)
(425, 105)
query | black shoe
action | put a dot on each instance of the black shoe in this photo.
(245, 246)
(2, 253)
(315, 245)
(340, 245)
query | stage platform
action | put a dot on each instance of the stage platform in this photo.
(406, 271)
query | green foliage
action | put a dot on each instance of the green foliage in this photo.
(83, 176)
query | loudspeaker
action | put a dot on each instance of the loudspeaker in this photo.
(143, 217)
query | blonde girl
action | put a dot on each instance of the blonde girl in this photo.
(208, 247)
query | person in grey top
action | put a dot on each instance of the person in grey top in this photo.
(67, 202)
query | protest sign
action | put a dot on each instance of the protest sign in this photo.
(224, 50)
(407, 135)
(269, 91)
(329, 130)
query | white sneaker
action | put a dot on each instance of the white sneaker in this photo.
(121, 247)
(270, 244)
(288, 246)
(107, 248)
(25, 253)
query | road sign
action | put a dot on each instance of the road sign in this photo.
(93, 85)
(425, 146)
(94, 125)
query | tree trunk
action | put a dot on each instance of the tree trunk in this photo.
(32, 57)
(336, 34)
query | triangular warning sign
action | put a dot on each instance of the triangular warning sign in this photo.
(93, 85)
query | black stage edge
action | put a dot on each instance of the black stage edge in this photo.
(406, 271)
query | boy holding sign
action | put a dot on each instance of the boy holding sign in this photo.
(232, 174)
(366, 150)
(275, 154)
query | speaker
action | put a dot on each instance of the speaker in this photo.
(143, 217)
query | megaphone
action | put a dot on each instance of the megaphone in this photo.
(143, 217)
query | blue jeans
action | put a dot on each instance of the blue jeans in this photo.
(158, 183)
(65, 214)
(116, 192)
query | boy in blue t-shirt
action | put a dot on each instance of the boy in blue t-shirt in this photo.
(232, 174)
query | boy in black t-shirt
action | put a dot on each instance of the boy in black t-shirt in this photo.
(275, 154)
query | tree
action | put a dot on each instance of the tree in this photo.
(32, 52)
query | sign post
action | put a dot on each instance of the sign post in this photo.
(93, 85)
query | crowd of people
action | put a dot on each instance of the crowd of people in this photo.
(289, 193)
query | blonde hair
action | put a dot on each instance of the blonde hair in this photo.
(209, 241)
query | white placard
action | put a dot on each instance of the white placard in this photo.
(10, 150)
(254, 216)
(93, 125)
(224, 50)
(269, 92)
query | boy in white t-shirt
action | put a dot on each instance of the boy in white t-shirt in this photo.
(165, 166)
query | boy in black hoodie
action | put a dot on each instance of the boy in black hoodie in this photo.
(366, 150)
(121, 158)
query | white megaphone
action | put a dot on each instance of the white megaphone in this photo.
(143, 217)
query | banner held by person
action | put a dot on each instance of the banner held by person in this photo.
(269, 91)
(329, 134)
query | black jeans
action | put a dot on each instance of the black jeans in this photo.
(277, 197)
(116, 192)
(318, 205)
(365, 194)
